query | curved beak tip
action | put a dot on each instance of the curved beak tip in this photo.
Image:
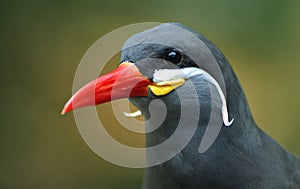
(64, 111)
(68, 107)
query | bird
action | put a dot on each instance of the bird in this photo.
(181, 68)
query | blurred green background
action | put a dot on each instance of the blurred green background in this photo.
(42, 42)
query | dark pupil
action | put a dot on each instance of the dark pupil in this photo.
(174, 57)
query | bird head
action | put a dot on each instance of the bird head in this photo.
(161, 63)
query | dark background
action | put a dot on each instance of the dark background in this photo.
(42, 43)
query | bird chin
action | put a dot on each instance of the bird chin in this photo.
(155, 103)
(142, 104)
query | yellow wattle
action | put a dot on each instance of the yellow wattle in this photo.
(165, 87)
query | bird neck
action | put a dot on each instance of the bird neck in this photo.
(191, 169)
(242, 156)
(189, 166)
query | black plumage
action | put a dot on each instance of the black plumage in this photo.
(242, 156)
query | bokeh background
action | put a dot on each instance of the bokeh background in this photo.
(42, 42)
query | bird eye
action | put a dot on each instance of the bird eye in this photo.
(174, 57)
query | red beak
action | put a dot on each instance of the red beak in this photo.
(123, 82)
